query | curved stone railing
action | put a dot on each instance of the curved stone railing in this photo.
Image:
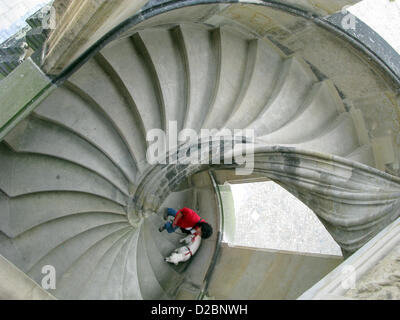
(352, 200)
(207, 278)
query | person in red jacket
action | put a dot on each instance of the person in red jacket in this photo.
(189, 222)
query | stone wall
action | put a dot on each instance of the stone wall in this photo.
(245, 273)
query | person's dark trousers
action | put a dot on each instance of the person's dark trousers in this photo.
(168, 225)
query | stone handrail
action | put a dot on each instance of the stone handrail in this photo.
(352, 200)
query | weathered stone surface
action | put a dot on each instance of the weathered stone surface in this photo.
(370, 273)
(266, 274)
(80, 24)
(382, 282)
(16, 285)
(20, 93)
(339, 191)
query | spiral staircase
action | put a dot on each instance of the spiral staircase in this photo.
(75, 184)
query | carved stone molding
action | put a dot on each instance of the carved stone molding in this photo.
(353, 201)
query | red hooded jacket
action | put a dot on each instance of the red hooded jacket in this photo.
(189, 218)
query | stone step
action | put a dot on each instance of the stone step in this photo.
(201, 60)
(170, 74)
(149, 286)
(98, 279)
(85, 118)
(136, 75)
(37, 136)
(232, 53)
(70, 284)
(31, 173)
(17, 218)
(263, 67)
(310, 118)
(343, 130)
(122, 274)
(116, 105)
(292, 88)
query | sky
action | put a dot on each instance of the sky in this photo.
(13, 14)
(268, 216)
(383, 16)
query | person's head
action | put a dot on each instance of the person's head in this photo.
(206, 230)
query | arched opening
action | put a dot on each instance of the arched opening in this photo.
(271, 246)
(268, 216)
